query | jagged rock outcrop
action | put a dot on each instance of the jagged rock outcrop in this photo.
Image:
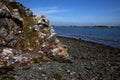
(24, 35)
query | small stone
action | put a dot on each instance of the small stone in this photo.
(19, 31)
(7, 51)
(53, 34)
(30, 49)
(13, 62)
(46, 58)
(40, 68)
(1, 63)
(68, 71)
(6, 57)
(43, 75)
(1, 66)
(46, 78)
(30, 27)
(57, 41)
(72, 73)
(54, 51)
(43, 45)
(54, 79)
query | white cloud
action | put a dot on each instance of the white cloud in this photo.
(48, 11)
(52, 13)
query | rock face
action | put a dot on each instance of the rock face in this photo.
(23, 34)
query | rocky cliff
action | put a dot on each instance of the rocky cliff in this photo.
(24, 36)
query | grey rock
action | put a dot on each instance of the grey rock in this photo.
(28, 12)
(16, 14)
(4, 11)
(40, 19)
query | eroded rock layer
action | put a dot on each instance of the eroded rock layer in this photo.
(24, 36)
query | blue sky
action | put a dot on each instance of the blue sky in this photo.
(77, 12)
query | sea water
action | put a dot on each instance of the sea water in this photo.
(106, 36)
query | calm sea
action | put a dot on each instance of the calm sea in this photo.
(106, 36)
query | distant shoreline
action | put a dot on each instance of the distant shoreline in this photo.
(98, 27)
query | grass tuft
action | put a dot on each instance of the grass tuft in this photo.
(81, 78)
(7, 77)
(57, 76)
(37, 60)
(26, 67)
(44, 71)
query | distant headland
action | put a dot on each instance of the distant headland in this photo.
(96, 26)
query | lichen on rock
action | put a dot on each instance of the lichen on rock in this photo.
(24, 36)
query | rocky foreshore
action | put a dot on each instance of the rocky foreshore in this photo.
(94, 61)
(89, 61)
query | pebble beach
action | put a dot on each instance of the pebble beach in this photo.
(89, 61)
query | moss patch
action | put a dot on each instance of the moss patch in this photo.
(63, 60)
(37, 60)
(81, 78)
(57, 76)
(7, 77)
(9, 68)
(26, 67)
(100, 74)
(44, 71)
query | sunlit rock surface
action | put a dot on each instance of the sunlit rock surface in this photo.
(24, 36)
